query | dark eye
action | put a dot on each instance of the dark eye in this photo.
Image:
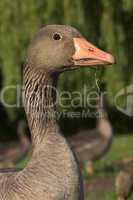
(57, 36)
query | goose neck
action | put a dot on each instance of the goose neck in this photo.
(39, 98)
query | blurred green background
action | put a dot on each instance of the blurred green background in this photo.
(106, 23)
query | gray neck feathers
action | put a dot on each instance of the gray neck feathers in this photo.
(39, 95)
(52, 157)
(103, 124)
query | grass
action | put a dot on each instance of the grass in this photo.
(101, 196)
(106, 169)
(109, 167)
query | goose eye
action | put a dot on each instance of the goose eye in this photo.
(57, 36)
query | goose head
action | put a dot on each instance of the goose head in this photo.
(59, 47)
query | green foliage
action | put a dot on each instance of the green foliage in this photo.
(107, 23)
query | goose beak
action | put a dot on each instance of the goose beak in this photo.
(87, 54)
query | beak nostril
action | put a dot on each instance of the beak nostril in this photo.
(91, 49)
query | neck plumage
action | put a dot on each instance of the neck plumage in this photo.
(104, 127)
(39, 95)
(52, 156)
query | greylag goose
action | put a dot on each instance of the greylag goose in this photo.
(11, 153)
(124, 182)
(94, 144)
(52, 172)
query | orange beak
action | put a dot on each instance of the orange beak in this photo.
(87, 54)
